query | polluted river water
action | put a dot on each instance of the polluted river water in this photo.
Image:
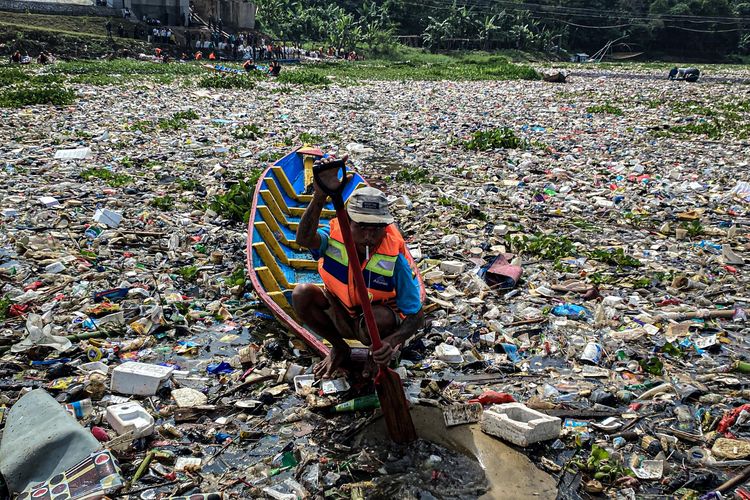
(626, 205)
(508, 473)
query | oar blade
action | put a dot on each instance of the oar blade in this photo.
(395, 408)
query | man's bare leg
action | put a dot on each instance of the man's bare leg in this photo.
(310, 304)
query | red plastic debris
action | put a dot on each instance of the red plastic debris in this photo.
(100, 434)
(669, 302)
(18, 310)
(493, 398)
(32, 286)
(730, 418)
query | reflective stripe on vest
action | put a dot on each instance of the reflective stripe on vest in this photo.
(337, 251)
(382, 264)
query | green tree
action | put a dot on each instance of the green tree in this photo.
(487, 27)
(377, 28)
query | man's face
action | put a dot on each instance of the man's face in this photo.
(367, 235)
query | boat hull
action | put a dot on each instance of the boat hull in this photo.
(275, 263)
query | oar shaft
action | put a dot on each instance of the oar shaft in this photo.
(359, 280)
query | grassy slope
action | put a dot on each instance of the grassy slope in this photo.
(68, 25)
(66, 36)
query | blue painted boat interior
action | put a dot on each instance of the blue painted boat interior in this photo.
(293, 167)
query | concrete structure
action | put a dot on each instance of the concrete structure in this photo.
(169, 12)
(520, 425)
(234, 13)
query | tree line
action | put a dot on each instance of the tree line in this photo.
(685, 28)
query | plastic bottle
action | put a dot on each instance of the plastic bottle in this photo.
(512, 352)
(683, 414)
(571, 311)
(80, 409)
(362, 403)
(169, 430)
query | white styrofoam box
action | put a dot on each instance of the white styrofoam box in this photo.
(130, 417)
(49, 201)
(73, 154)
(54, 268)
(141, 379)
(433, 277)
(500, 230)
(449, 353)
(452, 266)
(94, 366)
(107, 217)
(303, 383)
(520, 425)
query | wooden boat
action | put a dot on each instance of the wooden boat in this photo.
(274, 260)
(220, 68)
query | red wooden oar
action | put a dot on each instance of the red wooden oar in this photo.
(388, 385)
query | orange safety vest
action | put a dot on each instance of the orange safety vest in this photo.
(378, 271)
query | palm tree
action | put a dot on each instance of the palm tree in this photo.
(375, 24)
(486, 27)
(436, 32)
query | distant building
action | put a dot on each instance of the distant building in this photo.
(581, 57)
(233, 13)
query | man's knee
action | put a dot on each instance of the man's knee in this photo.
(385, 318)
(306, 295)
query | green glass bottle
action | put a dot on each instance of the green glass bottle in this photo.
(362, 403)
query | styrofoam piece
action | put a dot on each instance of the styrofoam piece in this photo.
(94, 366)
(500, 230)
(54, 268)
(107, 217)
(520, 425)
(462, 414)
(141, 379)
(303, 383)
(49, 201)
(186, 397)
(335, 385)
(73, 154)
(433, 277)
(449, 353)
(130, 417)
(452, 266)
(292, 370)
